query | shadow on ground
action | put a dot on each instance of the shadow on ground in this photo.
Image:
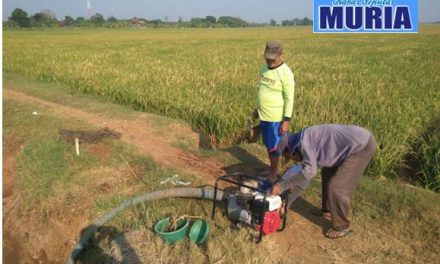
(306, 210)
(93, 253)
(249, 164)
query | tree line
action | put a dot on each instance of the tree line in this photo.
(47, 19)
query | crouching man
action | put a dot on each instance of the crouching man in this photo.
(343, 152)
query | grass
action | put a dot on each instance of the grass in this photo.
(429, 163)
(43, 158)
(45, 163)
(221, 246)
(53, 180)
(393, 223)
(426, 154)
(63, 95)
(386, 83)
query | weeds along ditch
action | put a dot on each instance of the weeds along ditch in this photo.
(387, 83)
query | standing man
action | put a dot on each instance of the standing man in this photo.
(343, 152)
(274, 102)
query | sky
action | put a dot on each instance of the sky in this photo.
(249, 10)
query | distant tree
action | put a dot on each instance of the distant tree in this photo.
(49, 14)
(225, 20)
(37, 19)
(198, 22)
(156, 23)
(45, 18)
(273, 22)
(81, 22)
(97, 20)
(307, 21)
(211, 19)
(20, 17)
(69, 21)
(297, 22)
(286, 23)
(232, 21)
(112, 19)
(9, 24)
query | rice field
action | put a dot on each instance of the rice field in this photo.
(388, 83)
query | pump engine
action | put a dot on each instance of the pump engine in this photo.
(252, 204)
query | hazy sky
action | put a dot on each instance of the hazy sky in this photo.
(249, 10)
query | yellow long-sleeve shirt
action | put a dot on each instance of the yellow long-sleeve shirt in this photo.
(275, 93)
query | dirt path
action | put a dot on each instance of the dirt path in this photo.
(306, 244)
(138, 133)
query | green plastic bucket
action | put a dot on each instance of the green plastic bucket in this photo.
(199, 231)
(172, 237)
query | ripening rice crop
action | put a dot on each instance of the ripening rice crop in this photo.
(387, 83)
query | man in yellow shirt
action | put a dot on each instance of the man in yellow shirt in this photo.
(274, 102)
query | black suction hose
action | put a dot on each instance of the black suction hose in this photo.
(202, 193)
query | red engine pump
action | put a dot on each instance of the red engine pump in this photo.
(270, 208)
(253, 205)
(271, 222)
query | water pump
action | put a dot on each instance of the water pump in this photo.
(252, 205)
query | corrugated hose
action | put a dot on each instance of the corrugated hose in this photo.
(201, 193)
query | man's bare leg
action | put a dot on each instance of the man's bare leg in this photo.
(273, 167)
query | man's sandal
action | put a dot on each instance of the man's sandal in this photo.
(333, 234)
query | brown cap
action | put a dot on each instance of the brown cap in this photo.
(273, 49)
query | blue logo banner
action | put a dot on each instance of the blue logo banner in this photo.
(365, 16)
